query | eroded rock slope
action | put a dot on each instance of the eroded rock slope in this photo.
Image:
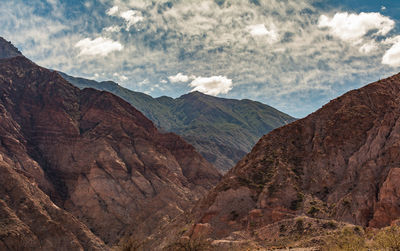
(341, 162)
(100, 161)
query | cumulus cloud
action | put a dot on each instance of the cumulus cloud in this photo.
(353, 27)
(178, 78)
(98, 47)
(258, 30)
(214, 85)
(392, 56)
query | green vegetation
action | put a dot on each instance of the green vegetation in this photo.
(222, 130)
(357, 239)
(388, 239)
(346, 240)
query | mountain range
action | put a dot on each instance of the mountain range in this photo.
(222, 130)
(82, 169)
(339, 165)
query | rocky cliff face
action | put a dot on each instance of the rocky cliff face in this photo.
(29, 220)
(340, 163)
(97, 158)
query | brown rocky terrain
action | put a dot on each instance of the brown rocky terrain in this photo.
(77, 164)
(29, 220)
(340, 163)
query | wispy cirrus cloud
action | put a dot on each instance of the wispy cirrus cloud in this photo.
(112, 11)
(130, 16)
(293, 55)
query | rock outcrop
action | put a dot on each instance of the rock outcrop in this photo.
(7, 49)
(102, 163)
(339, 163)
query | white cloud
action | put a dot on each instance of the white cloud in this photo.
(179, 78)
(353, 27)
(392, 56)
(99, 46)
(131, 17)
(392, 40)
(120, 76)
(111, 29)
(258, 30)
(213, 85)
(112, 11)
(144, 82)
(371, 46)
(202, 38)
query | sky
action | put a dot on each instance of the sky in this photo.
(293, 55)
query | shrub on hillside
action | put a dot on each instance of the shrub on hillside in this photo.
(388, 239)
(346, 240)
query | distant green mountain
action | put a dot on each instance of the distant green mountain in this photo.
(222, 130)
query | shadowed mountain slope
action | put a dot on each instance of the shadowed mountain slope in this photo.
(222, 130)
(7, 49)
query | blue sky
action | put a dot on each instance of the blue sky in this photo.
(293, 55)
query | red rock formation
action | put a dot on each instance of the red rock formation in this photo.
(341, 162)
(29, 220)
(94, 154)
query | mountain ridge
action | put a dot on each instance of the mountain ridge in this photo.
(222, 130)
(8, 50)
(339, 165)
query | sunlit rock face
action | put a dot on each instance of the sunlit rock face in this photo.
(340, 163)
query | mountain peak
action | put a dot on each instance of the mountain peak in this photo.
(8, 50)
(195, 93)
